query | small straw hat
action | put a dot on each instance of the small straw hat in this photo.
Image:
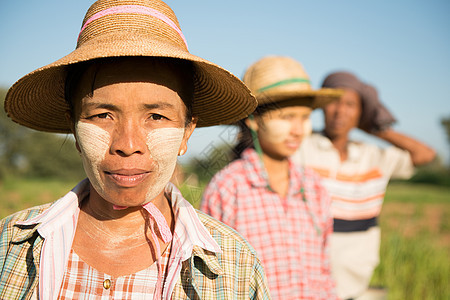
(116, 28)
(274, 79)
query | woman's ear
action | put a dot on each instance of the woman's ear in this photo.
(251, 123)
(71, 123)
(189, 129)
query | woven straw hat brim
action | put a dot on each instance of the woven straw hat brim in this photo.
(37, 99)
(321, 97)
(275, 79)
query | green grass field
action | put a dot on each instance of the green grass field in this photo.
(415, 224)
(415, 245)
(18, 194)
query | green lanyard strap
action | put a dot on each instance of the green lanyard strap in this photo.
(258, 150)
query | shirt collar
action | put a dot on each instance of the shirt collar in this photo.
(353, 149)
(189, 230)
(190, 233)
(57, 226)
(60, 211)
(354, 152)
(188, 226)
(323, 142)
(255, 171)
(257, 174)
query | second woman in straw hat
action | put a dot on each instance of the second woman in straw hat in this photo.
(282, 209)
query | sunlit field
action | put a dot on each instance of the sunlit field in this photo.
(415, 245)
(18, 194)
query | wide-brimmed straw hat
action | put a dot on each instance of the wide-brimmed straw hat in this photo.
(147, 28)
(274, 79)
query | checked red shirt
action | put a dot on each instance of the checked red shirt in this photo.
(289, 234)
(81, 281)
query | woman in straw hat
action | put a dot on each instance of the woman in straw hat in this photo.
(281, 209)
(131, 94)
(356, 175)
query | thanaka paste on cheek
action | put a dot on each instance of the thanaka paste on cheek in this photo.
(307, 127)
(94, 143)
(163, 144)
(276, 130)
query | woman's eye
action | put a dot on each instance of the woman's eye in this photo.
(156, 117)
(102, 116)
(286, 117)
(99, 116)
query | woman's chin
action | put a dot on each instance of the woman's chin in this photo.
(126, 196)
(121, 202)
(122, 197)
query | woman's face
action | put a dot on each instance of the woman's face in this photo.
(281, 131)
(343, 115)
(129, 129)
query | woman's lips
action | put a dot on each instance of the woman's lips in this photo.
(128, 177)
(293, 144)
(338, 123)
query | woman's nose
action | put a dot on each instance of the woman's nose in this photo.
(128, 138)
(341, 108)
(297, 127)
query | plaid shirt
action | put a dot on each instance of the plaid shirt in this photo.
(209, 260)
(289, 234)
(81, 281)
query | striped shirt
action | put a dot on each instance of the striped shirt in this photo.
(208, 260)
(357, 185)
(290, 234)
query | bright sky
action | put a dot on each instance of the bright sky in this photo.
(402, 47)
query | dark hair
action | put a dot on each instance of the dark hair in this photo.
(245, 140)
(183, 67)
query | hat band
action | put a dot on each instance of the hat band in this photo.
(135, 9)
(283, 82)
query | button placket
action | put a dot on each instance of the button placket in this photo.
(107, 284)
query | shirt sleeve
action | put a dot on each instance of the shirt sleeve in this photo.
(258, 283)
(396, 163)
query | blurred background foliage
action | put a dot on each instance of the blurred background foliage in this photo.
(33, 154)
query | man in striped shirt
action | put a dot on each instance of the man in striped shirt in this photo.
(356, 175)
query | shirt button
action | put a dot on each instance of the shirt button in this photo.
(107, 284)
